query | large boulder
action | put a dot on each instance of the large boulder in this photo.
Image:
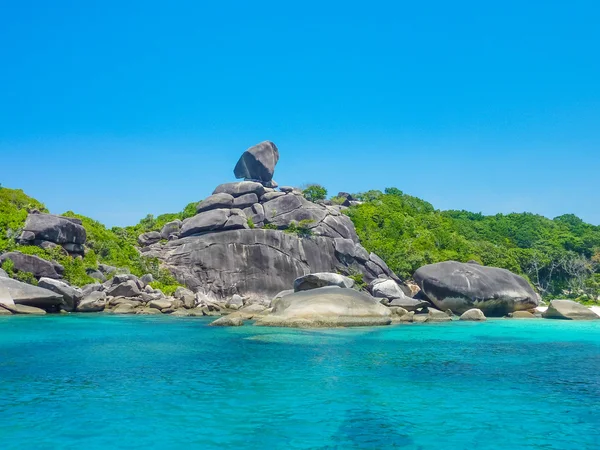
(460, 287)
(215, 201)
(170, 228)
(205, 221)
(149, 238)
(258, 162)
(240, 188)
(228, 321)
(34, 264)
(94, 302)
(5, 297)
(408, 303)
(27, 294)
(57, 229)
(473, 315)
(386, 288)
(318, 280)
(3, 274)
(327, 307)
(569, 310)
(71, 295)
(128, 288)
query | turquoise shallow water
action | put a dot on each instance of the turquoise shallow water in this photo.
(103, 382)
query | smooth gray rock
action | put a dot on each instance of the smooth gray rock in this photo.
(92, 287)
(107, 270)
(186, 296)
(128, 288)
(569, 310)
(95, 274)
(327, 307)
(160, 304)
(319, 280)
(215, 201)
(236, 222)
(71, 295)
(474, 315)
(360, 253)
(57, 229)
(279, 296)
(240, 188)
(205, 221)
(270, 196)
(149, 238)
(5, 297)
(170, 228)
(3, 273)
(244, 201)
(521, 315)
(385, 288)
(125, 308)
(94, 302)
(460, 287)
(384, 267)
(147, 279)
(258, 162)
(282, 211)
(26, 294)
(345, 247)
(34, 264)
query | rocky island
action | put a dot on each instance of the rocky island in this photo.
(256, 251)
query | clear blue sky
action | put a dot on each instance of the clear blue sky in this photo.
(120, 109)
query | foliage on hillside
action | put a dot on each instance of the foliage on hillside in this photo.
(555, 255)
(115, 247)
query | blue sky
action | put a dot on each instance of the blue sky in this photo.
(116, 111)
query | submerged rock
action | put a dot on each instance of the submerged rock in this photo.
(460, 287)
(327, 307)
(569, 310)
(227, 321)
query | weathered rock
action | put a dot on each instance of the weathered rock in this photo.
(3, 274)
(386, 288)
(149, 238)
(108, 270)
(34, 264)
(128, 288)
(181, 313)
(382, 265)
(344, 248)
(360, 253)
(31, 310)
(147, 279)
(170, 228)
(318, 280)
(5, 297)
(258, 162)
(216, 201)
(186, 296)
(255, 213)
(205, 221)
(4, 311)
(160, 304)
(89, 288)
(246, 200)
(236, 222)
(71, 295)
(95, 274)
(475, 315)
(410, 304)
(460, 287)
(124, 308)
(241, 188)
(279, 296)
(26, 294)
(521, 315)
(94, 302)
(235, 302)
(327, 307)
(270, 196)
(58, 229)
(228, 321)
(569, 310)
(404, 318)
(432, 315)
(148, 311)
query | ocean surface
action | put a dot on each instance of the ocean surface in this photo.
(111, 382)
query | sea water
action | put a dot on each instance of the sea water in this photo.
(107, 382)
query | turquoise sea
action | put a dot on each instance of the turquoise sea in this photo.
(110, 382)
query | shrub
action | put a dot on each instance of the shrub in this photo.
(315, 192)
(338, 200)
(270, 226)
(250, 223)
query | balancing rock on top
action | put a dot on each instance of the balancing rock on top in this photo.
(258, 163)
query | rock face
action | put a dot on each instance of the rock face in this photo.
(569, 310)
(327, 307)
(65, 231)
(94, 302)
(34, 264)
(317, 280)
(26, 294)
(258, 162)
(460, 287)
(71, 295)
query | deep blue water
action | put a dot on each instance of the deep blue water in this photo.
(104, 382)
